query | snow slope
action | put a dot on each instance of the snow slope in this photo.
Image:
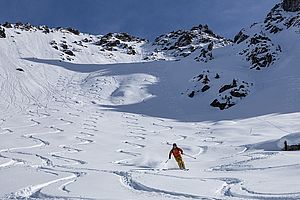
(100, 125)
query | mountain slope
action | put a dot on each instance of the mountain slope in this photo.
(87, 117)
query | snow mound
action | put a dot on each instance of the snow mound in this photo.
(276, 144)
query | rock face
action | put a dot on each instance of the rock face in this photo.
(182, 43)
(291, 5)
(2, 33)
(119, 41)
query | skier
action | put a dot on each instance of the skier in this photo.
(177, 152)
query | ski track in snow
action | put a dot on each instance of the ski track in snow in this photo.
(61, 162)
(57, 138)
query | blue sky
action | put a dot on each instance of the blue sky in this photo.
(144, 18)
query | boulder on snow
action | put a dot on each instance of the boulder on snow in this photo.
(237, 93)
(205, 88)
(222, 105)
(20, 69)
(217, 104)
(227, 87)
(68, 52)
(192, 94)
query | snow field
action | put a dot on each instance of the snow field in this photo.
(88, 130)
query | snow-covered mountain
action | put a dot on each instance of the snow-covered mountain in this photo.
(94, 116)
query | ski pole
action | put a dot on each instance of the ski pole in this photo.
(167, 160)
(189, 156)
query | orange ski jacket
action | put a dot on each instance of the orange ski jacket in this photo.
(176, 152)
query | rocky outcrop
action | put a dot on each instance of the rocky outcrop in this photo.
(231, 93)
(206, 53)
(261, 52)
(2, 33)
(67, 50)
(201, 81)
(277, 20)
(73, 30)
(220, 105)
(240, 37)
(7, 25)
(182, 43)
(228, 86)
(291, 5)
(225, 95)
(119, 41)
(259, 47)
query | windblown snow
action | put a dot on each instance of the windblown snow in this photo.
(90, 118)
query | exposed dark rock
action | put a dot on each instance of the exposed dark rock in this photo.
(205, 88)
(184, 40)
(46, 29)
(68, 52)
(18, 24)
(86, 40)
(227, 87)
(240, 37)
(2, 33)
(27, 27)
(53, 42)
(7, 25)
(220, 105)
(210, 46)
(64, 46)
(199, 77)
(277, 19)
(20, 69)
(113, 43)
(205, 80)
(206, 53)
(239, 94)
(131, 51)
(273, 19)
(291, 5)
(111, 38)
(192, 94)
(72, 30)
(182, 43)
(125, 37)
(261, 52)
